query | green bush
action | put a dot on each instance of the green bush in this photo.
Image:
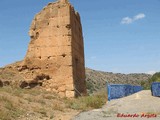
(90, 87)
(155, 78)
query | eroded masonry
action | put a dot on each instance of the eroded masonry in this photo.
(56, 49)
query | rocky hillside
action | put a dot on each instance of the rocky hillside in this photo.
(97, 80)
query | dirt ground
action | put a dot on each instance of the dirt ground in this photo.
(139, 106)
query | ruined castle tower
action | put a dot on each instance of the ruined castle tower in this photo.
(56, 49)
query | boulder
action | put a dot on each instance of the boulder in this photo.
(1, 83)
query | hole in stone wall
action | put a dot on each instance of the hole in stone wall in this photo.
(37, 35)
(32, 37)
(68, 26)
(39, 57)
(47, 66)
(49, 57)
(68, 35)
(48, 23)
(63, 55)
(57, 26)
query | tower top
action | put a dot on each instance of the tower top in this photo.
(64, 1)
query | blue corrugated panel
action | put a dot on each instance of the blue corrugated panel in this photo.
(116, 91)
(137, 88)
(155, 89)
(128, 90)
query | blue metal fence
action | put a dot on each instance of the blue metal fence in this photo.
(155, 89)
(137, 88)
(116, 91)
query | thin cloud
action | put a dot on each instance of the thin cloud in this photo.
(139, 16)
(128, 20)
(151, 72)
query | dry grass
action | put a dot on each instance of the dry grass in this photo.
(15, 103)
(10, 109)
(88, 102)
(59, 107)
(41, 111)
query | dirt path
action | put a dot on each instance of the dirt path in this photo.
(139, 106)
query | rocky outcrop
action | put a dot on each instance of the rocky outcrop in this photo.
(37, 81)
(1, 83)
(56, 49)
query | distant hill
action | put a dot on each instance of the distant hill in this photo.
(97, 80)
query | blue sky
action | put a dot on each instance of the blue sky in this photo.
(120, 35)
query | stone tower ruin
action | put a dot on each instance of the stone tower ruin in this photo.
(56, 49)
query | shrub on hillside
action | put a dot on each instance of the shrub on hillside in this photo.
(154, 78)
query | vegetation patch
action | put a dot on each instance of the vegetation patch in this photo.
(88, 102)
(147, 84)
(11, 110)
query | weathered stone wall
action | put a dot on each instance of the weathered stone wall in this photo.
(56, 48)
(77, 52)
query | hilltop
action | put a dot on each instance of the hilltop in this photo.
(97, 80)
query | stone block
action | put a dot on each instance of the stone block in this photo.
(69, 87)
(61, 89)
(70, 94)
